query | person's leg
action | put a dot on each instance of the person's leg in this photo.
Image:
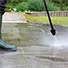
(3, 45)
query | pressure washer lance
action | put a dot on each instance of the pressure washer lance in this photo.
(53, 31)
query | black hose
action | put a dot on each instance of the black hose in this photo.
(52, 28)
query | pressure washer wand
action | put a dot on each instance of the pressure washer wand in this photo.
(53, 31)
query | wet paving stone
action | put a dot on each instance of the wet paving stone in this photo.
(8, 30)
(35, 46)
(7, 34)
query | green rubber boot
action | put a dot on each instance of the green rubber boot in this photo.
(3, 45)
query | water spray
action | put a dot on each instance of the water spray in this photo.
(53, 31)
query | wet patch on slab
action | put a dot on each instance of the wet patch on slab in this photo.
(53, 58)
(7, 34)
(12, 59)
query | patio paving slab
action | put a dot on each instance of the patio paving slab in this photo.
(35, 46)
(13, 17)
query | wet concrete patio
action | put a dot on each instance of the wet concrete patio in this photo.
(35, 46)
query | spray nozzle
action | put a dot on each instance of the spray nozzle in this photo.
(53, 31)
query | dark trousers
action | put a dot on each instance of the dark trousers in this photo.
(2, 6)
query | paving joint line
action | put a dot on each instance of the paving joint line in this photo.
(24, 57)
(22, 49)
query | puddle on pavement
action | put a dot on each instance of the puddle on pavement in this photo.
(56, 59)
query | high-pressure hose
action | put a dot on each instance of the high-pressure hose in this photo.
(53, 31)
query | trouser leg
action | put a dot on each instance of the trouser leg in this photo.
(2, 6)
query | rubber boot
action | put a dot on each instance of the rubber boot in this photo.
(3, 45)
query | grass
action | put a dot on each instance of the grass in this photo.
(44, 19)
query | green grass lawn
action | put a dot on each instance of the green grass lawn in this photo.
(44, 19)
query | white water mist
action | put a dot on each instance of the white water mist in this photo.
(56, 45)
